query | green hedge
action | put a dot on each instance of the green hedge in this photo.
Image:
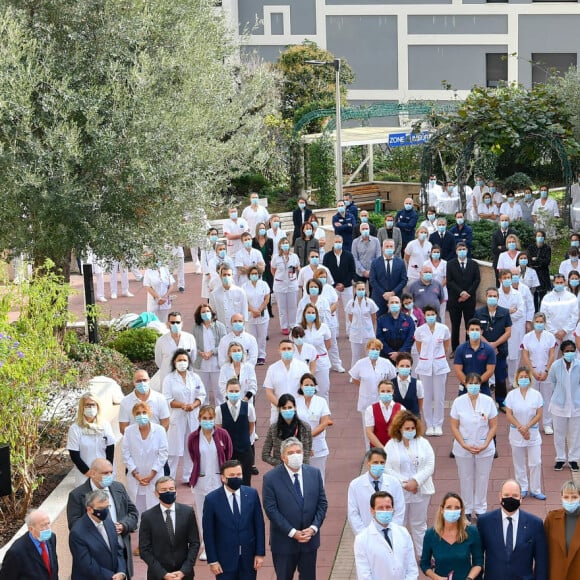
(136, 344)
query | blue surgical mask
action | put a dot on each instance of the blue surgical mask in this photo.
(364, 220)
(309, 391)
(254, 277)
(473, 389)
(504, 225)
(571, 506)
(275, 225)
(237, 326)
(347, 202)
(435, 255)
(338, 246)
(234, 215)
(176, 327)
(474, 335)
(487, 201)
(431, 217)
(427, 276)
(573, 283)
(394, 308)
(575, 244)
(479, 182)
(523, 262)
(539, 326)
(540, 239)
(237, 356)
(377, 469)
(431, 319)
(462, 254)
(422, 237)
(45, 535)
(341, 209)
(207, 424)
(543, 194)
(409, 434)
(360, 293)
(313, 291)
(515, 279)
(107, 480)
(366, 233)
(506, 283)
(315, 261)
(247, 244)
(307, 233)
(287, 355)
(451, 516)
(222, 254)
(389, 224)
(374, 354)
(314, 224)
(492, 190)
(213, 239)
(299, 341)
(322, 281)
(524, 382)
(403, 371)
(254, 201)
(527, 196)
(408, 206)
(262, 231)
(441, 229)
(310, 317)
(569, 356)
(142, 387)
(385, 397)
(234, 397)
(227, 280)
(409, 306)
(511, 199)
(492, 300)
(460, 221)
(389, 252)
(559, 287)
(301, 205)
(512, 246)
(142, 419)
(288, 414)
(384, 518)
(206, 316)
(285, 247)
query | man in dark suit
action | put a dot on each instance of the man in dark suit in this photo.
(122, 510)
(295, 503)
(299, 216)
(463, 279)
(33, 555)
(513, 541)
(168, 536)
(233, 527)
(93, 543)
(443, 239)
(388, 276)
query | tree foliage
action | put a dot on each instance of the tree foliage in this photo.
(117, 119)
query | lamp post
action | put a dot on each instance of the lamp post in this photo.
(338, 149)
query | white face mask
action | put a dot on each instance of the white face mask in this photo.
(182, 365)
(295, 460)
(90, 412)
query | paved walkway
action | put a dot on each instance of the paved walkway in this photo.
(335, 559)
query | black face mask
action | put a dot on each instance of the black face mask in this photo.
(234, 483)
(510, 504)
(101, 514)
(168, 497)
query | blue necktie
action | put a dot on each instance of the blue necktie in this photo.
(387, 537)
(509, 539)
(376, 484)
(297, 487)
(236, 509)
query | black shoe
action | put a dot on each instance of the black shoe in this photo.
(573, 465)
(559, 465)
(452, 455)
(181, 289)
(496, 454)
(255, 470)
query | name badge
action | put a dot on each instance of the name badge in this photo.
(468, 356)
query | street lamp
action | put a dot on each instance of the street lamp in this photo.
(338, 150)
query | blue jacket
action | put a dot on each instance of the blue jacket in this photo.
(465, 234)
(345, 228)
(395, 334)
(447, 244)
(406, 221)
(378, 280)
(557, 376)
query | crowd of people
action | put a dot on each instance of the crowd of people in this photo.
(391, 290)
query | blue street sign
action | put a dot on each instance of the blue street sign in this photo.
(403, 139)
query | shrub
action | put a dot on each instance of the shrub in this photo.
(321, 157)
(517, 182)
(136, 344)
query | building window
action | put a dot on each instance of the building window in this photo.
(277, 23)
(496, 68)
(546, 65)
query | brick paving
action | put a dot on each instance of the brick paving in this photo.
(345, 440)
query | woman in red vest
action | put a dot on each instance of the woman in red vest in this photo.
(378, 416)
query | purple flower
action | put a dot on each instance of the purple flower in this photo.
(20, 354)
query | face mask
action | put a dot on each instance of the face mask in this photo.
(462, 254)
(365, 233)
(314, 224)
(524, 382)
(540, 239)
(182, 365)
(310, 317)
(275, 225)
(287, 355)
(377, 469)
(543, 194)
(234, 215)
(435, 255)
(168, 497)
(347, 202)
(573, 283)
(222, 254)
(474, 335)
(422, 237)
(301, 205)
(432, 182)
(427, 276)
(253, 277)
(492, 190)
(262, 231)
(234, 397)
(506, 283)
(539, 326)
(389, 225)
(409, 306)
(338, 246)
(431, 319)
(510, 199)
(374, 354)
(524, 262)
(288, 414)
(487, 201)
(559, 287)
(511, 246)
(515, 279)
(403, 371)
(394, 308)
(473, 389)
(234, 483)
(451, 516)
(408, 207)
(309, 391)
(504, 225)
(479, 182)
(389, 252)
(364, 220)
(571, 506)
(492, 301)
(237, 356)
(142, 419)
(322, 281)
(101, 514)
(409, 434)
(107, 480)
(254, 201)
(207, 424)
(45, 535)
(227, 280)
(299, 341)
(315, 261)
(569, 356)
(575, 244)
(213, 239)
(386, 397)
(159, 263)
(247, 244)
(573, 258)
(360, 293)
(528, 196)
(313, 291)
(510, 504)
(206, 316)
(142, 387)
(237, 326)
(285, 247)
(90, 412)
(176, 327)
(295, 460)
(460, 221)
(431, 217)
(307, 233)
(384, 518)
(441, 229)
(341, 209)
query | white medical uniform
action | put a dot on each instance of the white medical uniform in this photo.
(561, 310)
(361, 327)
(165, 348)
(306, 354)
(248, 342)
(239, 226)
(317, 337)
(529, 278)
(258, 327)
(286, 287)
(514, 212)
(247, 378)
(228, 302)
(160, 279)
(418, 255)
(284, 380)
(513, 299)
(245, 258)
(255, 214)
(507, 262)
(307, 273)
(155, 401)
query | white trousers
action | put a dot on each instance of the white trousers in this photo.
(179, 262)
(116, 267)
(186, 464)
(333, 353)
(322, 375)
(566, 430)
(195, 259)
(473, 475)
(344, 297)
(259, 331)
(546, 389)
(210, 380)
(367, 442)
(287, 306)
(512, 364)
(320, 464)
(358, 350)
(433, 403)
(442, 311)
(416, 521)
(534, 453)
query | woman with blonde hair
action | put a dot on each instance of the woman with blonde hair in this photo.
(452, 547)
(90, 437)
(509, 259)
(417, 253)
(317, 334)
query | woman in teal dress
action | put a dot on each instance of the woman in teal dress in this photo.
(452, 544)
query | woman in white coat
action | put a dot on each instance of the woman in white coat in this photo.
(237, 367)
(433, 341)
(302, 350)
(159, 284)
(366, 374)
(313, 295)
(185, 393)
(285, 267)
(417, 253)
(144, 454)
(509, 259)
(258, 295)
(314, 410)
(538, 354)
(362, 314)
(331, 296)
(410, 458)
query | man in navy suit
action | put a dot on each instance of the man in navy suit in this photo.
(93, 543)
(32, 556)
(388, 276)
(513, 541)
(295, 503)
(233, 527)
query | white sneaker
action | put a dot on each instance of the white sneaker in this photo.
(430, 432)
(437, 431)
(203, 556)
(128, 294)
(101, 299)
(340, 370)
(113, 297)
(548, 430)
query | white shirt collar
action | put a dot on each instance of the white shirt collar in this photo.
(291, 473)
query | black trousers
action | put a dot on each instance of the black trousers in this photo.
(286, 564)
(246, 458)
(457, 310)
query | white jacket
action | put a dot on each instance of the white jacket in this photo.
(425, 459)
